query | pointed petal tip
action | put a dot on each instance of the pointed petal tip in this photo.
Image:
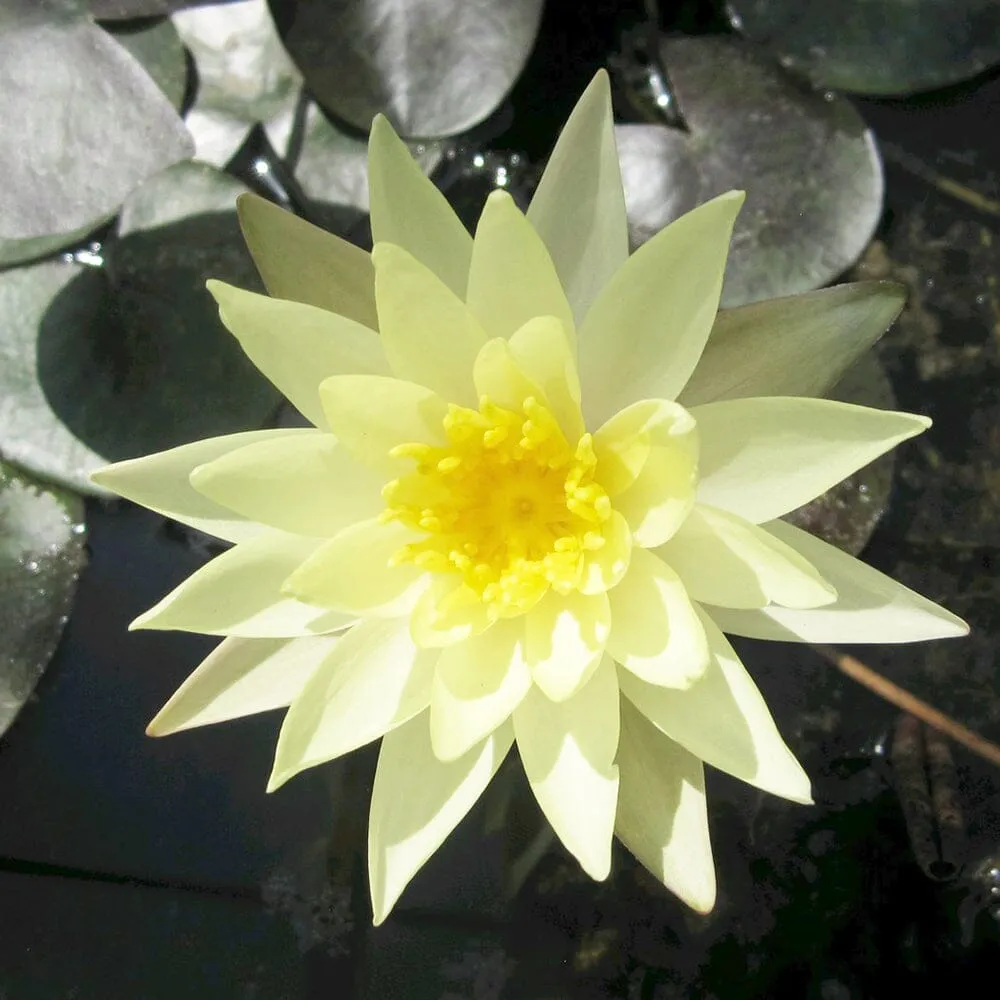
(156, 728)
(277, 779)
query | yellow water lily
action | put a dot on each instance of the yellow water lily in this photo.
(529, 507)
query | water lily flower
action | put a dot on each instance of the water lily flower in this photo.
(530, 506)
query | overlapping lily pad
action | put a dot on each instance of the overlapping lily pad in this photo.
(885, 47)
(806, 160)
(41, 555)
(125, 9)
(158, 47)
(433, 67)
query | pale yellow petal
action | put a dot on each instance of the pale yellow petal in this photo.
(568, 750)
(239, 593)
(662, 811)
(655, 630)
(477, 684)
(418, 800)
(371, 415)
(306, 483)
(644, 334)
(355, 572)
(870, 607)
(301, 262)
(161, 482)
(408, 210)
(242, 677)
(761, 458)
(647, 460)
(565, 636)
(578, 208)
(724, 721)
(604, 568)
(373, 681)
(447, 612)
(512, 278)
(429, 335)
(297, 346)
(725, 560)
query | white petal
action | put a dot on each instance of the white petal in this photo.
(643, 336)
(429, 336)
(447, 612)
(578, 208)
(297, 346)
(374, 680)
(725, 560)
(662, 812)
(605, 567)
(477, 684)
(761, 458)
(568, 750)
(417, 801)
(724, 721)
(655, 631)
(565, 637)
(870, 607)
(242, 677)
(239, 593)
(408, 210)
(306, 483)
(161, 482)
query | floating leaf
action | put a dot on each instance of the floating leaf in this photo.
(83, 122)
(41, 555)
(158, 47)
(244, 76)
(123, 9)
(433, 67)
(806, 160)
(889, 47)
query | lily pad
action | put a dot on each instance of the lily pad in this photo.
(41, 555)
(104, 364)
(809, 166)
(158, 47)
(98, 126)
(433, 67)
(889, 47)
(244, 76)
(113, 10)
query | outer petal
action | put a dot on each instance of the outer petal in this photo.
(725, 560)
(371, 415)
(796, 346)
(242, 677)
(161, 483)
(374, 680)
(239, 594)
(354, 572)
(761, 458)
(429, 336)
(564, 640)
(870, 606)
(417, 801)
(578, 208)
(662, 812)
(647, 458)
(645, 332)
(305, 483)
(655, 631)
(301, 262)
(724, 721)
(408, 210)
(297, 346)
(512, 278)
(477, 684)
(568, 750)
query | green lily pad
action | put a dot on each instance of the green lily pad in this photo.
(83, 122)
(41, 555)
(433, 67)
(105, 364)
(806, 160)
(158, 47)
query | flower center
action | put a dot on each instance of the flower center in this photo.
(507, 503)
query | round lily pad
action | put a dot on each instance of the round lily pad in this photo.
(41, 555)
(433, 67)
(867, 47)
(807, 161)
(158, 47)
